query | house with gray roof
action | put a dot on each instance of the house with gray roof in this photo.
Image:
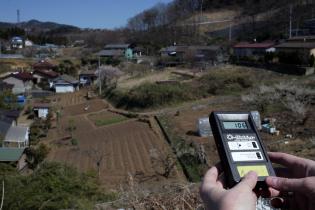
(65, 84)
(118, 50)
(13, 155)
(17, 137)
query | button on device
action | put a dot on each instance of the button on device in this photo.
(254, 144)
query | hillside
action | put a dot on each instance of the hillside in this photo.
(35, 25)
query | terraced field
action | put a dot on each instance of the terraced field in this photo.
(114, 150)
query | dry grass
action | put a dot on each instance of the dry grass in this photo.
(127, 82)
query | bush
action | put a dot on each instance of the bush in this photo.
(224, 83)
(36, 155)
(53, 186)
(74, 142)
(151, 95)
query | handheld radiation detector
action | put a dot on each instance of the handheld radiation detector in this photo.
(240, 147)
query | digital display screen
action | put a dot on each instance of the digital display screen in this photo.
(235, 125)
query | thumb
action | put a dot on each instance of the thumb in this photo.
(249, 181)
(285, 184)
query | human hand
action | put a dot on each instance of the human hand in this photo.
(240, 197)
(298, 177)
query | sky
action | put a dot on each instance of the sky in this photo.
(102, 14)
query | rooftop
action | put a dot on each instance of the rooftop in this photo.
(41, 105)
(88, 72)
(254, 45)
(305, 45)
(43, 64)
(66, 79)
(116, 52)
(117, 46)
(24, 76)
(10, 154)
(46, 73)
(16, 134)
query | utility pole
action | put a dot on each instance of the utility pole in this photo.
(18, 16)
(99, 75)
(200, 19)
(290, 27)
(230, 32)
(2, 198)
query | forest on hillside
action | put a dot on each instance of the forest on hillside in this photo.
(166, 24)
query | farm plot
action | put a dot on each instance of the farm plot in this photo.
(106, 118)
(69, 99)
(120, 149)
(85, 107)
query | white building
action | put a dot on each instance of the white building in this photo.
(65, 84)
(41, 110)
(17, 42)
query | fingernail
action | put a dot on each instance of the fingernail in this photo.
(251, 174)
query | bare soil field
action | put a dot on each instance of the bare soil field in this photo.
(69, 99)
(120, 149)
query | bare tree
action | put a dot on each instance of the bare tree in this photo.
(295, 98)
(98, 156)
(162, 162)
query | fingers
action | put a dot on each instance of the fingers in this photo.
(249, 181)
(283, 172)
(285, 184)
(211, 176)
(287, 160)
(273, 192)
(209, 184)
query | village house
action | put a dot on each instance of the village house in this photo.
(17, 42)
(177, 54)
(246, 49)
(41, 110)
(118, 50)
(44, 75)
(174, 51)
(87, 77)
(16, 136)
(301, 45)
(65, 84)
(15, 156)
(22, 82)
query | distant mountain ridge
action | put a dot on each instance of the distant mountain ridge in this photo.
(36, 25)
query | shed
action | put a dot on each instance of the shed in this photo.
(13, 155)
(87, 77)
(17, 136)
(41, 110)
